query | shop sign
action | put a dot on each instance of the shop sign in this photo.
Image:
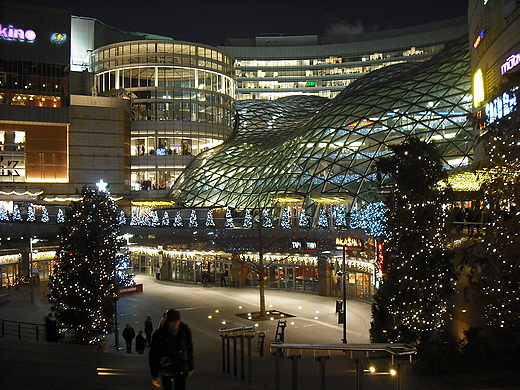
(12, 168)
(16, 34)
(511, 63)
(500, 107)
(348, 242)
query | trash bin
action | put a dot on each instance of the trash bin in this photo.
(339, 305)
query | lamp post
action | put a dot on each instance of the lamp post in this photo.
(31, 281)
(344, 291)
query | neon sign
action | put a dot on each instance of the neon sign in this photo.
(479, 39)
(348, 242)
(11, 33)
(500, 107)
(511, 62)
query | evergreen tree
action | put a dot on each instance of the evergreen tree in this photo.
(165, 219)
(31, 214)
(373, 217)
(267, 222)
(124, 276)
(45, 215)
(4, 216)
(210, 222)
(60, 216)
(134, 218)
(340, 219)
(154, 218)
(82, 285)
(303, 221)
(412, 301)
(355, 219)
(286, 218)
(193, 219)
(323, 220)
(177, 222)
(248, 220)
(16, 213)
(122, 218)
(229, 219)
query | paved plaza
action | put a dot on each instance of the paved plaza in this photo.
(27, 364)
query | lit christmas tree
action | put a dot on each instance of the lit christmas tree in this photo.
(177, 222)
(154, 218)
(193, 220)
(83, 281)
(374, 219)
(210, 222)
(323, 220)
(418, 276)
(133, 218)
(286, 219)
(340, 219)
(248, 220)
(267, 222)
(229, 219)
(45, 215)
(4, 215)
(165, 219)
(60, 217)
(122, 218)
(123, 269)
(303, 221)
(16, 213)
(31, 214)
(355, 220)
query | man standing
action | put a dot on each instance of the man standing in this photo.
(128, 335)
(148, 329)
(171, 353)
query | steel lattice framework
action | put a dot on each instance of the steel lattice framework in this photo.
(313, 149)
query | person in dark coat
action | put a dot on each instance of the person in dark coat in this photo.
(148, 329)
(171, 353)
(128, 335)
(140, 343)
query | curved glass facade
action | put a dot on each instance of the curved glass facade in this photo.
(182, 97)
(292, 148)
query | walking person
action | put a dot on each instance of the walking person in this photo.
(205, 278)
(162, 321)
(171, 353)
(140, 343)
(148, 329)
(128, 335)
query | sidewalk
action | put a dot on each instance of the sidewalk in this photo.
(27, 364)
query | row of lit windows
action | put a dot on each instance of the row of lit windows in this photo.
(193, 112)
(338, 60)
(171, 146)
(33, 76)
(18, 99)
(154, 180)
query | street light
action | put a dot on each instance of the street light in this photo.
(344, 291)
(31, 281)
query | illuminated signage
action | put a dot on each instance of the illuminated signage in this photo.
(12, 168)
(58, 38)
(479, 39)
(16, 34)
(500, 107)
(511, 62)
(348, 242)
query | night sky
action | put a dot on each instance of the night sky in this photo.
(210, 21)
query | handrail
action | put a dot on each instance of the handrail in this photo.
(238, 331)
(27, 330)
(394, 349)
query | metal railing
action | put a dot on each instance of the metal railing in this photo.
(23, 330)
(234, 334)
(359, 353)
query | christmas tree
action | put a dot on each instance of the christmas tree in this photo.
(286, 219)
(60, 217)
(31, 214)
(323, 220)
(373, 217)
(209, 219)
(355, 222)
(165, 219)
(133, 218)
(418, 277)
(267, 222)
(124, 276)
(248, 220)
(122, 218)
(83, 281)
(303, 221)
(154, 218)
(193, 220)
(229, 219)
(16, 213)
(45, 215)
(340, 219)
(177, 222)
(4, 216)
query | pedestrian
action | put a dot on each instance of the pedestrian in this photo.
(162, 321)
(148, 329)
(128, 335)
(205, 278)
(140, 343)
(223, 279)
(171, 353)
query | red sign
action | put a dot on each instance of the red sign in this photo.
(134, 289)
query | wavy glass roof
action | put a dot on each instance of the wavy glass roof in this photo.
(310, 148)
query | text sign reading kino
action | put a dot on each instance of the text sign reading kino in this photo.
(16, 34)
(12, 168)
